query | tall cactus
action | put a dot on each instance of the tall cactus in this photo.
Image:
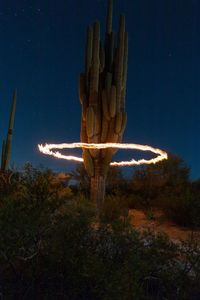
(6, 145)
(102, 90)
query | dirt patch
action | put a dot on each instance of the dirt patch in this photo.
(160, 224)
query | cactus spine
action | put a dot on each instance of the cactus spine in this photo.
(6, 145)
(102, 96)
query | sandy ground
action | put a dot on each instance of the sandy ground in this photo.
(160, 224)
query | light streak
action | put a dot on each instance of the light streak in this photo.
(48, 150)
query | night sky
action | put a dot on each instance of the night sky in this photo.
(42, 54)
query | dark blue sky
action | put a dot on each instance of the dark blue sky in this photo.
(42, 54)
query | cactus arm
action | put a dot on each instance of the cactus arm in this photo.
(124, 77)
(3, 155)
(111, 51)
(88, 56)
(109, 17)
(10, 133)
(94, 80)
(120, 59)
(13, 109)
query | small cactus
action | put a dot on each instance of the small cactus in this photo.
(6, 145)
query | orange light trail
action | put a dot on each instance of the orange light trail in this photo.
(48, 150)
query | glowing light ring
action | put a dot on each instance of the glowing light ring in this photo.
(47, 149)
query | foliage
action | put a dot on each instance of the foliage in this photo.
(115, 208)
(52, 247)
(166, 186)
(82, 179)
(37, 184)
(115, 182)
(152, 181)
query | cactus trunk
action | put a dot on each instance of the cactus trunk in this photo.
(97, 187)
(102, 90)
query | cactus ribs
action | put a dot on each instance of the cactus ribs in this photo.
(102, 90)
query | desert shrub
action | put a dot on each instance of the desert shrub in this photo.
(8, 182)
(62, 253)
(183, 208)
(39, 185)
(115, 208)
(52, 247)
(167, 186)
(37, 237)
(42, 184)
(82, 180)
(151, 181)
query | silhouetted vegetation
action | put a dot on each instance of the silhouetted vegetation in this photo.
(167, 186)
(52, 247)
